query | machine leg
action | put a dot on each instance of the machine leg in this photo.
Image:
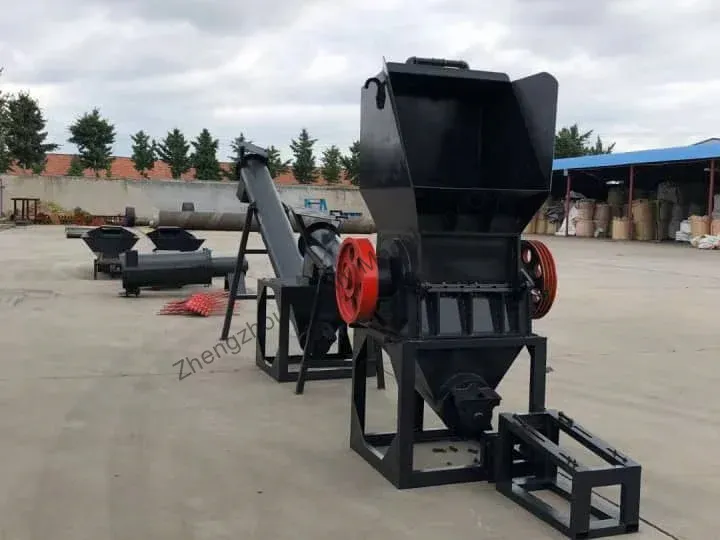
(538, 376)
(277, 366)
(308, 345)
(238, 274)
(261, 336)
(407, 422)
(281, 363)
(377, 358)
(359, 387)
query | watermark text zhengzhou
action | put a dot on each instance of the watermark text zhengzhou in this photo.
(233, 345)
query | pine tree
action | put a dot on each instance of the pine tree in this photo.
(174, 150)
(599, 148)
(351, 163)
(571, 142)
(76, 167)
(331, 166)
(143, 153)
(26, 135)
(304, 168)
(39, 168)
(204, 158)
(94, 136)
(275, 164)
(6, 160)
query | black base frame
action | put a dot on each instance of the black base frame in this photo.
(396, 463)
(528, 443)
(392, 454)
(331, 366)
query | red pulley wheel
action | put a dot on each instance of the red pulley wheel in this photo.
(357, 281)
(540, 266)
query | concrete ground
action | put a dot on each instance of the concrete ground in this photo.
(101, 440)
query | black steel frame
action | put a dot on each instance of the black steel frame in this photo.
(396, 463)
(330, 366)
(536, 435)
(236, 281)
(521, 457)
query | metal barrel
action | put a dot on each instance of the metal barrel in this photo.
(169, 270)
(235, 221)
(223, 266)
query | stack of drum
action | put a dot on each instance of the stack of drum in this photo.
(616, 199)
(539, 223)
(602, 219)
(584, 225)
(621, 228)
(643, 220)
(715, 223)
(715, 227)
(699, 225)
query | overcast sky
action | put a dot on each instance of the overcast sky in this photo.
(643, 73)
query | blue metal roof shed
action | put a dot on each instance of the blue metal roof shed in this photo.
(704, 151)
(700, 152)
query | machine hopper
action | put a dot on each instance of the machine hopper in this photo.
(167, 238)
(107, 243)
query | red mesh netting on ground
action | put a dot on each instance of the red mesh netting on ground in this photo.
(203, 304)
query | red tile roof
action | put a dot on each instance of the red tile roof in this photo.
(124, 168)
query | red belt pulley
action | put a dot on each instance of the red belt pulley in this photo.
(540, 266)
(357, 279)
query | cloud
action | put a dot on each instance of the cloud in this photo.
(635, 72)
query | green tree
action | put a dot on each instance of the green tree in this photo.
(204, 157)
(599, 148)
(304, 167)
(144, 153)
(25, 133)
(351, 163)
(94, 136)
(571, 142)
(275, 163)
(5, 157)
(39, 168)
(76, 167)
(331, 167)
(175, 151)
(6, 160)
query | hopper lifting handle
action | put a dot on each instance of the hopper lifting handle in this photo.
(438, 62)
(380, 96)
